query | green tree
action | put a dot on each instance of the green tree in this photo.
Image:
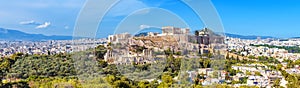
(100, 51)
(111, 79)
(122, 84)
(257, 73)
(167, 81)
(276, 83)
(144, 84)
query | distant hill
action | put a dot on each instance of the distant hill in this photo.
(9, 34)
(251, 37)
(144, 32)
(247, 37)
(158, 30)
(295, 38)
(151, 29)
(141, 34)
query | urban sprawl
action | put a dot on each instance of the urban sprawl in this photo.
(148, 48)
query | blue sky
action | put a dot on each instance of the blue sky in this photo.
(279, 18)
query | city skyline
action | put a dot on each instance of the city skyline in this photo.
(149, 44)
(250, 17)
(231, 62)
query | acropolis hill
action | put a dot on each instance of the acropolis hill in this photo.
(177, 40)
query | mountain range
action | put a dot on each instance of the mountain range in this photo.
(144, 32)
(251, 37)
(158, 30)
(9, 34)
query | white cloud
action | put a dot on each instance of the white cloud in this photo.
(143, 26)
(45, 25)
(31, 22)
(37, 24)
